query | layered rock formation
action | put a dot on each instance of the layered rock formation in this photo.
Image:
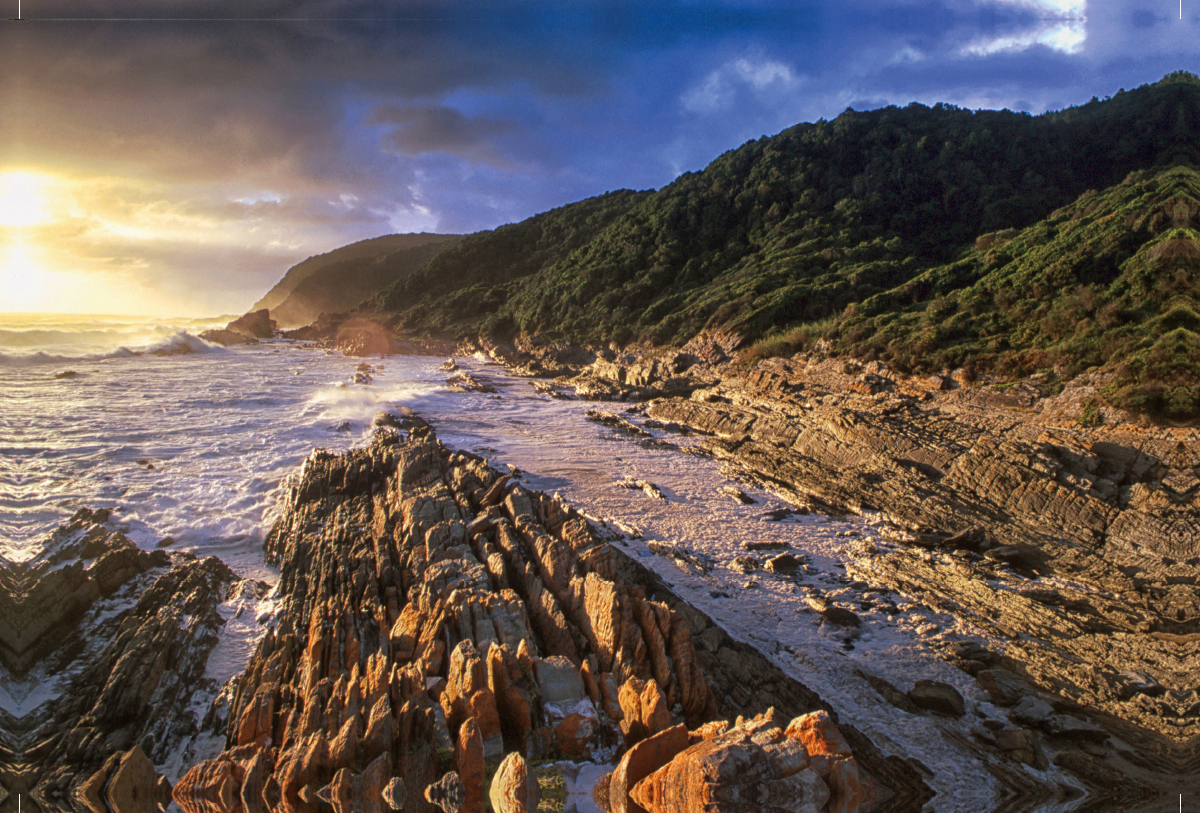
(120, 639)
(439, 617)
(1074, 545)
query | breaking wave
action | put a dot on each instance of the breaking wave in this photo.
(178, 344)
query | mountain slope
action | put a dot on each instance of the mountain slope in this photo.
(1113, 280)
(859, 231)
(335, 263)
(466, 288)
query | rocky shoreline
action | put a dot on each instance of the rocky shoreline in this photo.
(1072, 541)
(434, 617)
(439, 615)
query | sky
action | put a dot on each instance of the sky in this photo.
(175, 157)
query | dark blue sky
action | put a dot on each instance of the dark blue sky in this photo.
(187, 163)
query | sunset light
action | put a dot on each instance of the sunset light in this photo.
(23, 199)
(25, 285)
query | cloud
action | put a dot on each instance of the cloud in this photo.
(238, 147)
(432, 129)
(720, 88)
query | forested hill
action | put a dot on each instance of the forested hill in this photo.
(787, 237)
(344, 277)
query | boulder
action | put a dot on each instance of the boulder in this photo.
(940, 698)
(1030, 710)
(640, 761)
(1072, 729)
(1020, 745)
(1003, 686)
(559, 681)
(514, 787)
(785, 564)
(754, 766)
(575, 735)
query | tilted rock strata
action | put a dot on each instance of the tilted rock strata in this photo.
(130, 675)
(1079, 546)
(437, 612)
(389, 596)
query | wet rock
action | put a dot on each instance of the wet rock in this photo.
(1030, 710)
(1003, 686)
(467, 382)
(616, 422)
(940, 698)
(785, 564)
(736, 494)
(649, 488)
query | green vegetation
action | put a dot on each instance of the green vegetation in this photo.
(1109, 281)
(930, 237)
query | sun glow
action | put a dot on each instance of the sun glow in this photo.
(23, 199)
(25, 284)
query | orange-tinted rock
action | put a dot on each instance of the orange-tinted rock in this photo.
(380, 728)
(255, 724)
(643, 709)
(514, 787)
(468, 757)
(821, 738)
(88, 793)
(694, 695)
(707, 731)
(850, 789)
(640, 761)
(393, 793)
(467, 695)
(753, 766)
(368, 786)
(209, 787)
(514, 702)
(251, 791)
(575, 735)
